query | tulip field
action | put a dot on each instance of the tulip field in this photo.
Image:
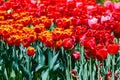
(59, 39)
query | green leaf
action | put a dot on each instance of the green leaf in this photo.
(118, 65)
(56, 67)
(94, 72)
(117, 71)
(15, 66)
(38, 67)
(81, 71)
(67, 74)
(53, 60)
(25, 71)
(50, 57)
(45, 75)
(40, 56)
(12, 74)
(118, 60)
(85, 74)
(5, 75)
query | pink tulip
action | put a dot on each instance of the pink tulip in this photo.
(92, 21)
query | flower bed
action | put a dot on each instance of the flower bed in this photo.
(59, 40)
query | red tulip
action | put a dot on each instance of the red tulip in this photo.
(76, 55)
(87, 56)
(73, 72)
(100, 46)
(113, 48)
(90, 53)
(31, 38)
(1, 2)
(89, 43)
(101, 54)
(68, 43)
(58, 44)
(108, 75)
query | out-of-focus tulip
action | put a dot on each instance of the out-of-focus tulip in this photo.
(76, 55)
(30, 51)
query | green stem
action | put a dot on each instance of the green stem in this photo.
(70, 64)
(82, 53)
(8, 72)
(70, 60)
(98, 69)
(90, 68)
(113, 63)
(67, 66)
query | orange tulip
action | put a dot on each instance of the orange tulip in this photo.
(30, 51)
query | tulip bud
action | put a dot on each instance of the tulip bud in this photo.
(76, 55)
(30, 51)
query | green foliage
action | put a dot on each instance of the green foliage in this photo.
(48, 64)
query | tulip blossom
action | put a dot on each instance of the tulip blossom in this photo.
(92, 22)
(68, 43)
(33, 1)
(57, 34)
(108, 4)
(76, 55)
(105, 18)
(113, 48)
(30, 51)
(75, 21)
(74, 73)
(117, 5)
(89, 43)
(101, 54)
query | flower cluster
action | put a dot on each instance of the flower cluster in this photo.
(77, 22)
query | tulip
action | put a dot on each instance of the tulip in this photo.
(74, 74)
(58, 44)
(105, 18)
(76, 55)
(56, 34)
(108, 4)
(92, 22)
(113, 48)
(68, 43)
(117, 5)
(89, 43)
(30, 51)
(101, 54)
